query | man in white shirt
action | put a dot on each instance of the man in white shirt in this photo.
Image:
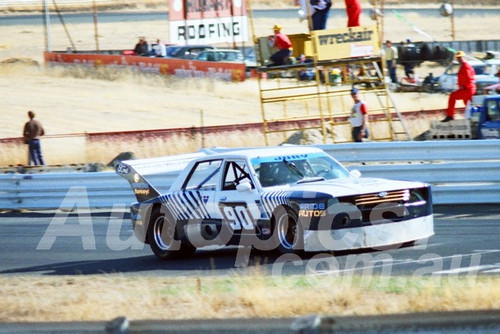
(391, 58)
(359, 117)
(160, 49)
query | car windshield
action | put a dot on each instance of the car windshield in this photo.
(173, 50)
(479, 69)
(289, 169)
(490, 69)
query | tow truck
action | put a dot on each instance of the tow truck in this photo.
(482, 121)
(486, 117)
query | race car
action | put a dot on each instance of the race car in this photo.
(286, 198)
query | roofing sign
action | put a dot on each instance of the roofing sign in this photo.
(207, 21)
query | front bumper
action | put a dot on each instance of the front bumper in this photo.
(371, 236)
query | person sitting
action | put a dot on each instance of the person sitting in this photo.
(280, 41)
(142, 47)
(307, 73)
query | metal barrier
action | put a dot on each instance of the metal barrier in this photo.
(480, 322)
(461, 172)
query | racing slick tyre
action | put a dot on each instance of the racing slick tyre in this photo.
(288, 233)
(165, 238)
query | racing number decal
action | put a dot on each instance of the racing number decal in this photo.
(238, 216)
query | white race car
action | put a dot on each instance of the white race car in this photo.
(295, 198)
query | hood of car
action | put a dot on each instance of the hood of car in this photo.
(353, 186)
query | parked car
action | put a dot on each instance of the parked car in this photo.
(486, 75)
(186, 51)
(222, 55)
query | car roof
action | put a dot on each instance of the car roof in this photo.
(494, 61)
(224, 50)
(263, 152)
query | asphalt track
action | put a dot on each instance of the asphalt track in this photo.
(466, 242)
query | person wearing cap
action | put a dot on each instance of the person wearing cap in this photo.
(466, 86)
(359, 117)
(320, 11)
(409, 64)
(281, 42)
(32, 132)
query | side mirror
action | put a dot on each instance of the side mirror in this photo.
(355, 174)
(244, 186)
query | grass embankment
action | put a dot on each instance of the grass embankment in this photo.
(103, 297)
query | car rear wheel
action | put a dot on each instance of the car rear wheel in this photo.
(164, 236)
(287, 231)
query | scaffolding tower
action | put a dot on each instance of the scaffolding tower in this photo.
(315, 94)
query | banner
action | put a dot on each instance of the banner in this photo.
(346, 42)
(207, 21)
(185, 68)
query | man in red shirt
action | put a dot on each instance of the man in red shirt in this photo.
(466, 86)
(280, 41)
(353, 9)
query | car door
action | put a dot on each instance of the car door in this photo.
(196, 200)
(448, 81)
(238, 198)
(491, 127)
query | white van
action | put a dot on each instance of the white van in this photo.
(486, 74)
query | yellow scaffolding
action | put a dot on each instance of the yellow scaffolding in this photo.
(289, 104)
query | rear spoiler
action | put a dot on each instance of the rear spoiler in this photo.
(135, 171)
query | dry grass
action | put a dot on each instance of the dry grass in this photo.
(76, 100)
(104, 297)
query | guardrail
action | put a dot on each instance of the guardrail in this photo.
(480, 322)
(460, 172)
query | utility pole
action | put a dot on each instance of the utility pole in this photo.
(96, 30)
(452, 17)
(46, 26)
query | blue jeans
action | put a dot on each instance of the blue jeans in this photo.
(319, 19)
(280, 57)
(392, 71)
(36, 152)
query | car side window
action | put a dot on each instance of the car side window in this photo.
(203, 56)
(203, 176)
(493, 114)
(235, 172)
(453, 69)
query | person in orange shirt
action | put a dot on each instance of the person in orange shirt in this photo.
(280, 41)
(466, 86)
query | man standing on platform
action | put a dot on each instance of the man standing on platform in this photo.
(353, 10)
(359, 117)
(466, 86)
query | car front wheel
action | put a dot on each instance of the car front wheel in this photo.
(287, 231)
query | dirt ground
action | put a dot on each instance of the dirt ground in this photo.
(68, 102)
